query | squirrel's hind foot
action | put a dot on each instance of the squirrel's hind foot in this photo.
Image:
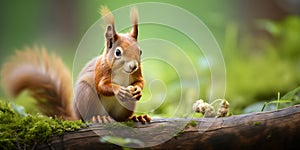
(141, 118)
(102, 119)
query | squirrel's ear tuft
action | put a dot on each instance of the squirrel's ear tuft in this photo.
(106, 14)
(134, 20)
(110, 33)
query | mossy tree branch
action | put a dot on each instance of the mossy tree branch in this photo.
(265, 130)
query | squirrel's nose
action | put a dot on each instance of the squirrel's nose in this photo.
(132, 66)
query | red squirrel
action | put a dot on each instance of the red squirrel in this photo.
(108, 86)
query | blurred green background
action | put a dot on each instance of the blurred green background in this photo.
(259, 42)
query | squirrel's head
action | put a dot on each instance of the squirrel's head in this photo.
(122, 51)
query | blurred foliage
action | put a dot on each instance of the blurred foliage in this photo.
(258, 67)
(21, 132)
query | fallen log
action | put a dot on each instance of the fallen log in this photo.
(278, 129)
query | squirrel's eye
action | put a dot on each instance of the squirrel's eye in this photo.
(118, 52)
(141, 52)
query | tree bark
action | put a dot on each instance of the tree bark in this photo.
(264, 130)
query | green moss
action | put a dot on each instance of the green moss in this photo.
(119, 125)
(129, 123)
(256, 123)
(175, 135)
(192, 123)
(24, 131)
(269, 136)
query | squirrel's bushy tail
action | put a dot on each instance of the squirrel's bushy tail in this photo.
(44, 76)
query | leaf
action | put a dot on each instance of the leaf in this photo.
(19, 109)
(269, 26)
(280, 101)
(121, 141)
(290, 95)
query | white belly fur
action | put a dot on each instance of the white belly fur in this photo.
(109, 102)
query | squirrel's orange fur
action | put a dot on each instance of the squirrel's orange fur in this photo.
(102, 87)
(45, 76)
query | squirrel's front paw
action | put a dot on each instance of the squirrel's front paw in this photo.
(136, 92)
(124, 94)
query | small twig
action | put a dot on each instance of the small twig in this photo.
(18, 144)
(33, 147)
(49, 145)
(62, 141)
(217, 100)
